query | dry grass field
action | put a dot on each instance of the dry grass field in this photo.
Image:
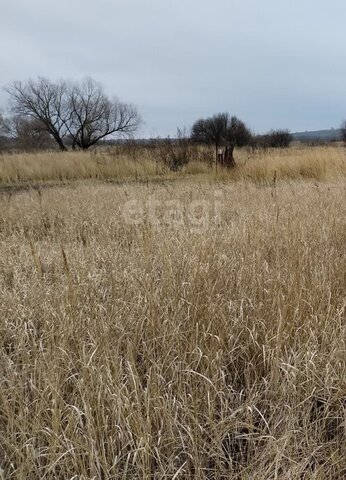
(324, 163)
(191, 327)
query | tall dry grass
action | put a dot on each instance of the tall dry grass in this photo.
(70, 166)
(322, 163)
(206, 340)
(143, 164)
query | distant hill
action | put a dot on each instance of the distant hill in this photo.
(324, 135)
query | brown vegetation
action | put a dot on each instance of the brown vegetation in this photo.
(205, 340)
(132, 163)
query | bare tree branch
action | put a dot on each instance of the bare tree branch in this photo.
(80, 111)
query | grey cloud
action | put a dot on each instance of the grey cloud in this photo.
(276, 63)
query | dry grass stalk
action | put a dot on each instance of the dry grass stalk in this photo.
(199, 345)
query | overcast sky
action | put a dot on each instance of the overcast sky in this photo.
(273, 63)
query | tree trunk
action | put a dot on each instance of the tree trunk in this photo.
(55, 134)
(61, 145)
(216, 155)
(229, 161)
(59, 142)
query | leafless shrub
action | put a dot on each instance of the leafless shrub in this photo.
(273, 139)
(176, 152)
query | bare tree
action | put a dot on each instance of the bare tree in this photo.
(24, 133)
(44, 101)
(211, 131)
(7, 127)
(30, 134)
(222, 130)
(237, 135)
(93, 116)
(78, 111)
(3, 133)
